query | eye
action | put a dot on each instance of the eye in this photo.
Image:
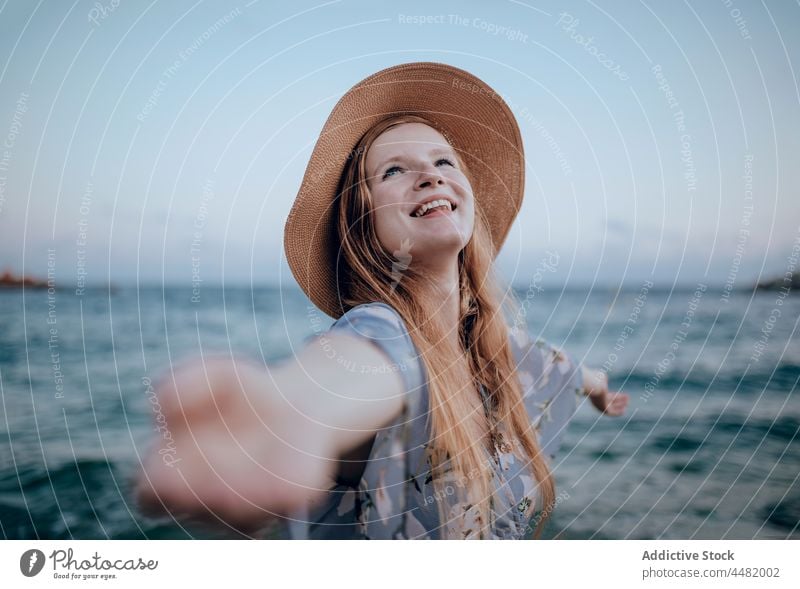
(445, 160)
(390, 171)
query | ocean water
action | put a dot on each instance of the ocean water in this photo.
(709, 448)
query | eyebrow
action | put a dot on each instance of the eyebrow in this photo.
(434, 151)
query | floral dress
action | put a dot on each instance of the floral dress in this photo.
(395, 498)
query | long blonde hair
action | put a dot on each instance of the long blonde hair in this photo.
(366, 273)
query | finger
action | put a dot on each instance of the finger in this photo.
(613, 406)
(159, 488)
(202, 488)
(191, 389)
(182, 391)
(619, 404)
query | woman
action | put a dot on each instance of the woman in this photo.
(420, 413)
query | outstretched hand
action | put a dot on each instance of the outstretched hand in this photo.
(236, 453)
(595, 383)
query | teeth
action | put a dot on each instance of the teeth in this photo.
(432, 205)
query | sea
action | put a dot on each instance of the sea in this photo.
(708, 449)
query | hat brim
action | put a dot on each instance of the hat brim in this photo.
(471, 116)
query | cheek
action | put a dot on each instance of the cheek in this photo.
(461, 182)
(469, 222)
(387, 228)
(388, 207)
(471, 214)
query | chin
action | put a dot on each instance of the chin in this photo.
(439, 244)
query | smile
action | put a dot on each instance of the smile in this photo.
(439, 206)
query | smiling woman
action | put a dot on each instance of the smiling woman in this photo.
(431, 418)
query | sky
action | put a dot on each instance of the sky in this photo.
(164, 142)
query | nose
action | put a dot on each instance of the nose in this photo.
(429, 177)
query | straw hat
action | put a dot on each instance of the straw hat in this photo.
(470, 115)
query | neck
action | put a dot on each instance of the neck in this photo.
(442, 296)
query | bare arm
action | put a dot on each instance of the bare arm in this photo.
(250, 441)
(345, 386)
(595, 386)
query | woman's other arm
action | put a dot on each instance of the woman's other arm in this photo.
(247, 441)
(595, 386)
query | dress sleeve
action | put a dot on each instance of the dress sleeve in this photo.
(552, 387)
(382, 326)
(380, 507)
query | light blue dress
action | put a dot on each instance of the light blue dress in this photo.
(395, 498)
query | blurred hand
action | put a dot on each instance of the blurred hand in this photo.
(595, 383)
(230, 448)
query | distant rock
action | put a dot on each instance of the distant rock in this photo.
(8, 280)
(778, 283)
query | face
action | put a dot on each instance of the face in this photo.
(410, 165)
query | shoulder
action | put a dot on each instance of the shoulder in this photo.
(377, 310)
(376, 319)
(383, 326)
